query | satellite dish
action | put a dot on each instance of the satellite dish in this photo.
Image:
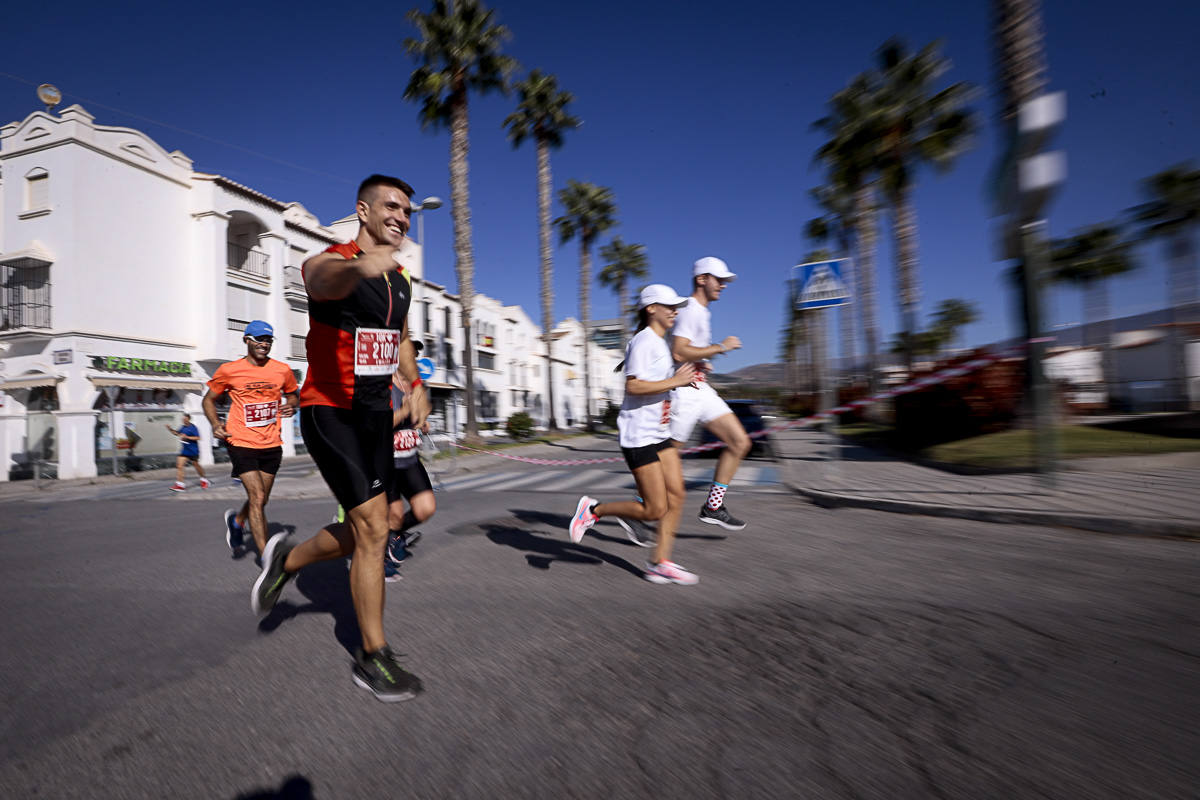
(50, 95)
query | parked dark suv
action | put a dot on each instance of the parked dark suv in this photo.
(748, 414)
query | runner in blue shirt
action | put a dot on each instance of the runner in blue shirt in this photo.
(189, 452)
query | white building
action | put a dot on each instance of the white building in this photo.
(126, 278)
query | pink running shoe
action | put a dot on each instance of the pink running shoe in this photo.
(583, 519)
(670, 572)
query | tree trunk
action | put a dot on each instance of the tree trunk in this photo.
(1182, 305)
(846, 311)
(623, 310)
(544, 184)
(864, 219)
(585, 311)
(1096, 293)
(1020, 59)
(464, 257)
(908, 289)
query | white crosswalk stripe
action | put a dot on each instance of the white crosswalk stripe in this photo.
(751, 478)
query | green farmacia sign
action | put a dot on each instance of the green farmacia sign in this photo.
(146, 366)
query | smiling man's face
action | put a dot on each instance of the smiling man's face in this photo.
(386, 216)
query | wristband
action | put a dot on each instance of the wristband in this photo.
(417, 382)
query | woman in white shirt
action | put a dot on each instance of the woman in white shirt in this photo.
(645, 436)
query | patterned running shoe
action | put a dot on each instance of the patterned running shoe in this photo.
(583, 519)
(670, 572)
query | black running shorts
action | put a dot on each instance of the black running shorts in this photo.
(254, 459)
(647, 454)
(352, 449)
(409, 481)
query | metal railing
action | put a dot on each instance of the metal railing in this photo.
(293, 279)
(24, 297)
(244, 259)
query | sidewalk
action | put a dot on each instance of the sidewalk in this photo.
(1147, 495)
(298, 478)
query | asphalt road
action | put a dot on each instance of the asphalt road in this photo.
(845, 653)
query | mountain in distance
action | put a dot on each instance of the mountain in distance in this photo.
(756, 374)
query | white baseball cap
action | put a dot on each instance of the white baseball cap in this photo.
(711, 265)
(660, 293)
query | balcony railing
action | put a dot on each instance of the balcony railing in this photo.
(244, 259)
(293, 279)
(24, 297)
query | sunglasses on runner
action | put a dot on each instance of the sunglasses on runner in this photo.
(262, 339)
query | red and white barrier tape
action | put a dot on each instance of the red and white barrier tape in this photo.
(921, 383)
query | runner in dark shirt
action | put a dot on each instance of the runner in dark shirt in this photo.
(358, 297)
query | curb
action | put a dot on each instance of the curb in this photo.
(1135, 526)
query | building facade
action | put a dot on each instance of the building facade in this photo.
(126, 278)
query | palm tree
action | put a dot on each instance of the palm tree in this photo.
(1173, 214)
(917, 125)
(950, 317)
(590, 210)
(837, 225)
(459, 51)
(624, 263)
(1088, 259)
(542, 115)
(849, 157)
(1020, 58)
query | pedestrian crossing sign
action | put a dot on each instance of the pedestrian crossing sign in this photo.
(820, 284)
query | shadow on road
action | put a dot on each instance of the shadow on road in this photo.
(326, 586)
(294, 788)
(251, 549)
(561, 521)
(543, 550)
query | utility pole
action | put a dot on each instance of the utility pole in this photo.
(1026, 179)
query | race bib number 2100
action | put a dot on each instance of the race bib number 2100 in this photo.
(376, 351)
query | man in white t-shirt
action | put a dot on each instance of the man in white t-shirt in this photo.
(691, 340)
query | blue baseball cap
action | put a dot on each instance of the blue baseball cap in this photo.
(258, 328)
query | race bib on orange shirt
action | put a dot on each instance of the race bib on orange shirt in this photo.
(376, 351)
(258, 415)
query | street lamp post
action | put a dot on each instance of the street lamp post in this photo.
(429, 203)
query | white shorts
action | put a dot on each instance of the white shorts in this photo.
(691, 405)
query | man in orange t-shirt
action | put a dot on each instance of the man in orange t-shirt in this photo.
(257, 387)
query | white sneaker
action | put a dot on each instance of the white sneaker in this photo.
(670, 572)
(583, 519)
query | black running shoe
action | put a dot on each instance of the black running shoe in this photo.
(721, 517)
(411, 538)
(272, 579)
(396, 550)
(643, 534)
(381, 674)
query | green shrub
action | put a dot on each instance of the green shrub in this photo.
(609, 417)
(520, 426)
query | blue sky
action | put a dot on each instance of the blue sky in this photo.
(696, 114)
